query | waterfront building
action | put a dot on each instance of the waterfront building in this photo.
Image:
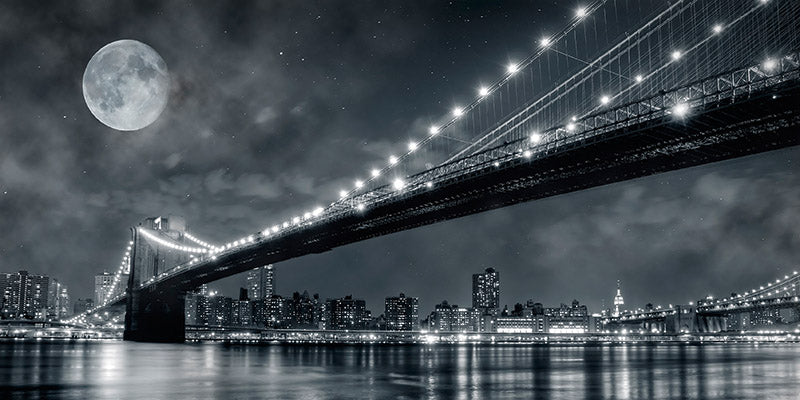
(514, 324)
(401, 313)
(572, 318)
(452, 318)
(302, 309)
(24, 296)
(347, 313)
(486, 290)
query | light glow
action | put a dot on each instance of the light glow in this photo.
(536, 137)
(605, 100)
(512, 68)
(458, 111)
(392, 160)
(375, 173)
(398, 184)
(676, 55)
(483, 91)
(680, 110)
(580, 12)
(433, 130)
(544, 42)
(412, 146)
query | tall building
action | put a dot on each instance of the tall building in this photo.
(220, 310)
(302, 310)
(57, 300)
(261, 282)
(618, 300)
(102, 287)
(346, 313)
(452, 318)
(401, 313)
(486, 290)
(24, 295)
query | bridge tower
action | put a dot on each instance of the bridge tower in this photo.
(151, 316)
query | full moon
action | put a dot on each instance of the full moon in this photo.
(125, 85)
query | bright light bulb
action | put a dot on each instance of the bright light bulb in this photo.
(483, 91)
(717, 29)
(375, 173)
(544, 42)
(770, 64)
(680, 110)
(342, 193)
(360, 207)
(412, 146)
(580, 13)
(605, 100)
(676, 55)
(398, 184)
(359, 184)
(638, 78)
(570, 127)
(458, 111)
(512, 68)
(392, 160)
(536, 137)
(433, 130)
(527, 154)
(429, 184)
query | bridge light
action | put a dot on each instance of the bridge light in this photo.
(570, 127)
(429, 184)
(375, 173)
(638, 78)
(412, 146)
(296, 220)
(717, 29)
(544, 42)
(458, 111)
(496, 164)
(680, 110)
(307, 215)
(483, 91)
(676, 55)
(536, 137)
(770, 64)
(605, 100)
(392, 160)
(580, 12)
(342, 193)
(526, 154)
(360, 207)
(512, 68)
(359, 184)
(398, 184)
(433, 130)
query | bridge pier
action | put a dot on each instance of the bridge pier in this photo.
(154, 317)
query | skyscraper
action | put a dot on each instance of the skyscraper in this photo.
(486, 290)
(401, 313)
(24, 295)
(261, 282)
(102, 287)
(618, 300)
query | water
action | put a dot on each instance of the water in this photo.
(119, 370)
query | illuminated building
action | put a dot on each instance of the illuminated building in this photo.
(346, 313)
(486, 290)
(24, 296)
(103, 284)
(618, 300)
(261, 282)
(401, 313)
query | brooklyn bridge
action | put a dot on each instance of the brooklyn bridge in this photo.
(661, 86)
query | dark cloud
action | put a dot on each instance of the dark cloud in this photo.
(276, 105)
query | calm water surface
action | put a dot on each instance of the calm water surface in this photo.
(117, 370)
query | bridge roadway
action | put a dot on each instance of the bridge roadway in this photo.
(742, 119)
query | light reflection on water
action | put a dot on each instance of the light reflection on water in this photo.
(117, 370)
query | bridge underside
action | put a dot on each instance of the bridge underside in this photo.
(763, 121)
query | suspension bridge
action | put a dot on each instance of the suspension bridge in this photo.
(625, 89)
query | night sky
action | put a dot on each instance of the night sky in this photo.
(275, 105)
